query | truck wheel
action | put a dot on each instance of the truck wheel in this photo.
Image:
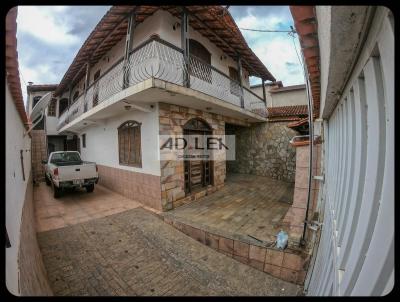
(56, 191)
(48, 182)
(90, 188)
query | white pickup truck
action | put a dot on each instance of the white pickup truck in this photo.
(65, 169)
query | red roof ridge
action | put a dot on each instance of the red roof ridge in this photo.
(12, 67)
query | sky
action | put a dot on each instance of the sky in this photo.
(49, 37)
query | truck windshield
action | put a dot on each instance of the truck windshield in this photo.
(66, 158)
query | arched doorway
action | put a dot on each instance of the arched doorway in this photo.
(198, 172)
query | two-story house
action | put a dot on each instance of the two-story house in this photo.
(148, 71)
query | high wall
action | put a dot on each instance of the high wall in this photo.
(263, 149)
(19, 211)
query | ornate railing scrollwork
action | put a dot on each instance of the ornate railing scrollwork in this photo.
(162, 60)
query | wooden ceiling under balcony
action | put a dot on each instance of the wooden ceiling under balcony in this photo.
(213, 22)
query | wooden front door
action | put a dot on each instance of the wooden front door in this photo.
(197, 171)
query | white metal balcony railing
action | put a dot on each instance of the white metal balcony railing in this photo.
(162, 60)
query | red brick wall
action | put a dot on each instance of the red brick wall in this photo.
(32, 277)
(144, 188)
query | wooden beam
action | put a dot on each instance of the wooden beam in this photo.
(240, 71)
(222, 40)
(128, 45)
(263, 87)
(185, 46)
(97, 47)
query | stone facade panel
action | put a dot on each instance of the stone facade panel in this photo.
(264, 149)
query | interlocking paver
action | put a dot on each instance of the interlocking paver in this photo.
(136, 253)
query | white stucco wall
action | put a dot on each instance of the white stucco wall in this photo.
(289, 98)
(283, 98)
(102, 141)
(15, 186)
(324, 38)
(51, 125)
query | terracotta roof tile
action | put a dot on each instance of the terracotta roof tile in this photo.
(305, 22)
(42, 87)
(12, 72)
(286, 111)
(217, 18)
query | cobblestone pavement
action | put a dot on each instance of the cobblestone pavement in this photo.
(136, 253)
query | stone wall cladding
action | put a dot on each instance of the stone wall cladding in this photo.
(33, 276)
(141, 187)
(290, 264)
(39, 153)
(172, 118)
(264, 149)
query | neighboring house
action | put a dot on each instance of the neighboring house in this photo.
(55, 141)
(45, 135)
(147, 71)
(351, 75)
(278, 96)
(24, 271)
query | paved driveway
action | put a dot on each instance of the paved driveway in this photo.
(135, 253)
(102, 243)
(76, 206)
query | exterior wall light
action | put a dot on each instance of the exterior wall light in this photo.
(176, 25)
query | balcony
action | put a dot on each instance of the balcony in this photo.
(158, 59)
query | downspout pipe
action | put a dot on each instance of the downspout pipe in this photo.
(311, 140)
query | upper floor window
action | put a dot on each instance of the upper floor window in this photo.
(96, 75)
(62, 106)
(52, 108)
(76, 94)
(199, 56)
(35, 100)
(129, 144)
(234, 75)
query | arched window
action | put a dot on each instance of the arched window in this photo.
(76, 94)
(129, 144)
(200, 61)
(35, 100)
(62, 106)
(235, 86)
(196, 124)
(52, 108)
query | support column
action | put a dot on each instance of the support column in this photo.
(185, 47)
(239, 64)
(87, 77)
(263, 89)
(87, 74)
(70, 96)
(128, 47)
